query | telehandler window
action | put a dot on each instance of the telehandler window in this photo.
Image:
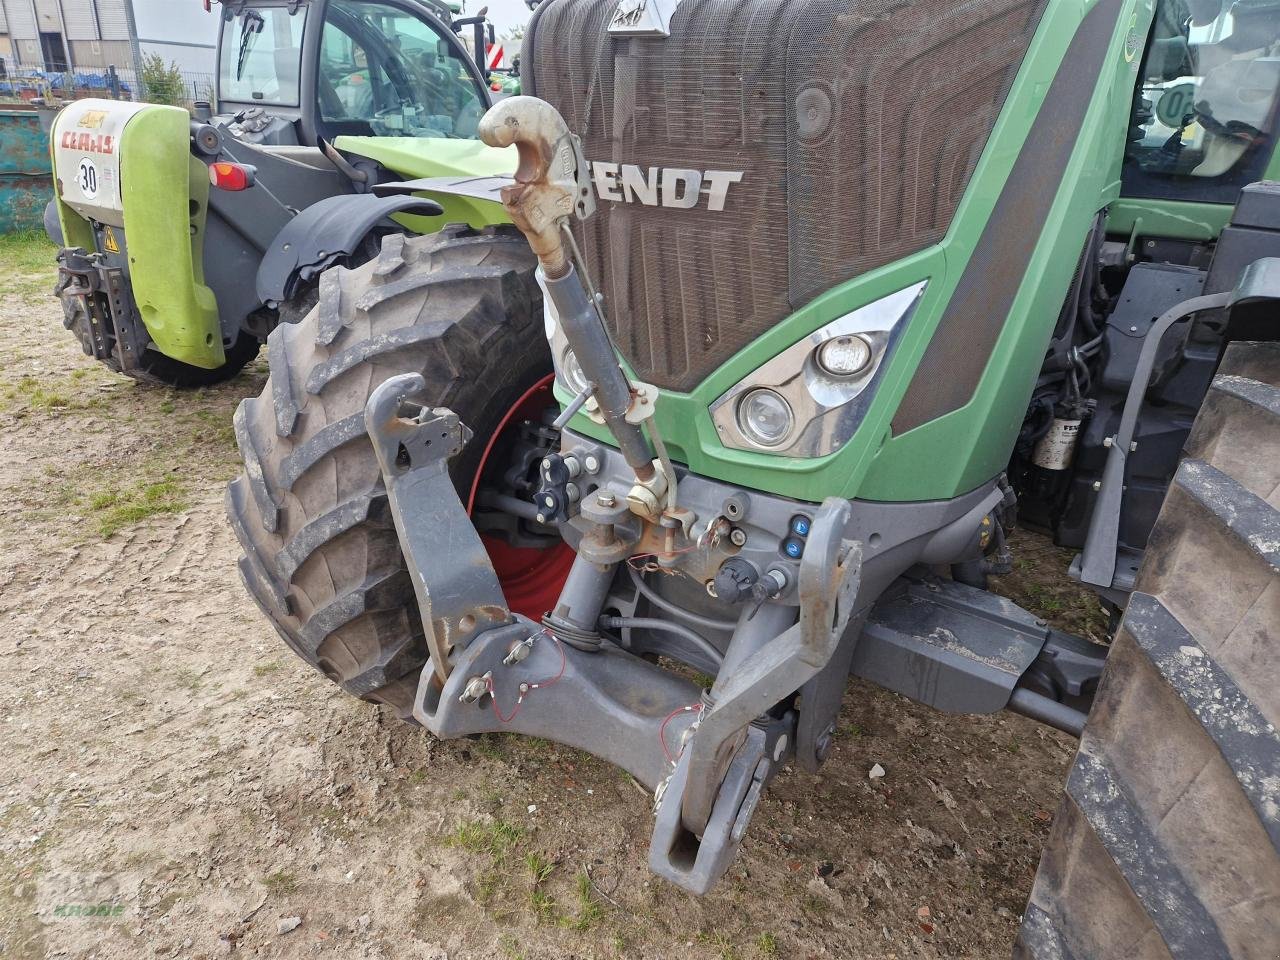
(262, 57)
(386, 73)
(1204, 118)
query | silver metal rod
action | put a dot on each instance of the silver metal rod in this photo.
(1047, 710)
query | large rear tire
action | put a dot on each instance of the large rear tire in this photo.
(321, 555)
(156, 368)
(1167, 841)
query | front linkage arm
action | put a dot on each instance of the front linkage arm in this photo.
(707, 754)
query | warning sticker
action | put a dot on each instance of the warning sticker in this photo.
(109, 242)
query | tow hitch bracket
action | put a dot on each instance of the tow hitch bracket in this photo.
(461, 597)
(708, 758)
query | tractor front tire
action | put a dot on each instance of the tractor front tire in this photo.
(1167, 841)
(321, 554)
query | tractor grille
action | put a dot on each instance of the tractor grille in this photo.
(856, 123)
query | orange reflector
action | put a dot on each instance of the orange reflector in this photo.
(231, 176)
(496, 87)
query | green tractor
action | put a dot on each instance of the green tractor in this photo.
(187, 237)
(756, 382)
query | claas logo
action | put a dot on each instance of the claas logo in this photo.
(88, 142)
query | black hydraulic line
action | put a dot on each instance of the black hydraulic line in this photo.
(662, 626)
(707, 623)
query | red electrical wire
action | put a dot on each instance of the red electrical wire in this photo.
(526, 688)
(662, 730)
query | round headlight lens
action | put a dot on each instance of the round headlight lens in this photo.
(845, 356)
(574, 378)
(765, 417)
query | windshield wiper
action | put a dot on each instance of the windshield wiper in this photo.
(249, 32)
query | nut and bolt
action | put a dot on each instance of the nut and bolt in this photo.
(475, 688)
(518, 651)
(606, 500)
(738, 537)
(591, 463)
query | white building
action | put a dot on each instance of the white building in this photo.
(90, 35)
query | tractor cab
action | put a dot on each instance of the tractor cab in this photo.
(299, 74)
(1205, 115)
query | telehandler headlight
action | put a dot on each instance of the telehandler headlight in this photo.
(809, 399)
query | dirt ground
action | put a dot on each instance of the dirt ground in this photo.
(168, 767)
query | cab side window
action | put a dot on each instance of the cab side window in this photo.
(386, 73)
(1205, 113)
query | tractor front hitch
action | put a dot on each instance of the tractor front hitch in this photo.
(706, 754)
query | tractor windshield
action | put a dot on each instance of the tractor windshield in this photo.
(386, 72)
(262, 56)
(1205, 113)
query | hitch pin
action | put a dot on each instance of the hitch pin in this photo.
(519, 651)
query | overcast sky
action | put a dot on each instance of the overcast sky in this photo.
(505, 14)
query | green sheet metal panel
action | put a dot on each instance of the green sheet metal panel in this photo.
(26, 177)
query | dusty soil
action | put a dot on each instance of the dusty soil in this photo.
(171, 768)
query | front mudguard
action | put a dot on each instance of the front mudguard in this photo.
(322, 235)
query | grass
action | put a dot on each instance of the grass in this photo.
(589, 909)
(281, 883)
(540, 868)
(265, 669)
(30, 395)
(495, 839)
(767, 945)
(116, 509)
(23, 255)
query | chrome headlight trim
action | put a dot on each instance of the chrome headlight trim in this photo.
(827, 409)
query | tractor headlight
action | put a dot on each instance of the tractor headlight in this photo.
(765, 416)
(809, 399)
(844, 356)
(571, 370)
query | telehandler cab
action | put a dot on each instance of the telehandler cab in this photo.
(754, 386)
(186, 239)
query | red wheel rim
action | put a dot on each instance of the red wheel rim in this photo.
(531, 578)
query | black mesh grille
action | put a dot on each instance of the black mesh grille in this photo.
(857, 126)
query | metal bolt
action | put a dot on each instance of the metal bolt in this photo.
(592, 464)
(1133, 446)
(571, 490)
(1097, 485)
(475, 688)
(606, 500)
(518, 651)
(542, 518)
(711, 588)
(1133, 329)
(1108, 441)
(738, 537)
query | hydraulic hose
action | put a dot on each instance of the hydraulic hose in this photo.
(646, 591)
(662, 626)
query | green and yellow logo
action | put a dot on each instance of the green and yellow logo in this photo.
(1132, 40)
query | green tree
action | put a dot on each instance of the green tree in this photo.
(162, 83)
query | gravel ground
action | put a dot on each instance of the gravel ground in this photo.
(167, 761)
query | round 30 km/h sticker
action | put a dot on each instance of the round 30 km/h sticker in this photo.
(88, 179)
